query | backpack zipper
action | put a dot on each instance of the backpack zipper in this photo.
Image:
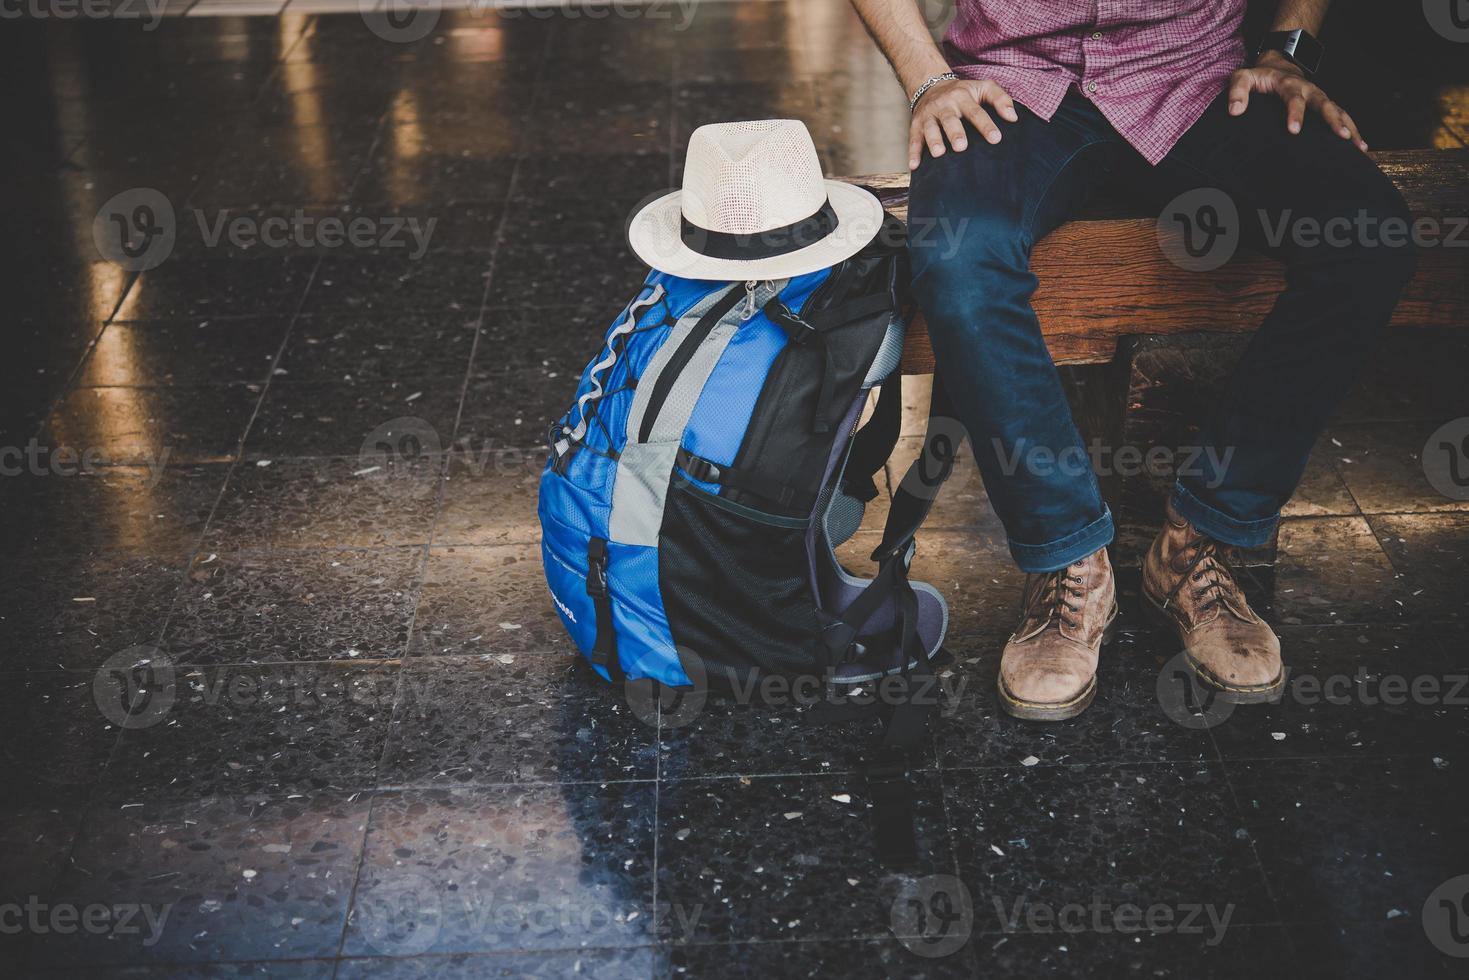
(685, 352)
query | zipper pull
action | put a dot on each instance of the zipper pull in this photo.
(749, 311)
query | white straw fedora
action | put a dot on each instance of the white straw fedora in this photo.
(753, 205)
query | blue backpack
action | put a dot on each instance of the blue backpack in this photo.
(710, 463)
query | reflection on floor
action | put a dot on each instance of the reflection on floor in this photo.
(248, 255)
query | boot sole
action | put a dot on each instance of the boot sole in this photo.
(1054, 710)
(1231, 693)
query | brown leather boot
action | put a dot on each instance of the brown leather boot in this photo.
(1188, 586)
(1048, 671)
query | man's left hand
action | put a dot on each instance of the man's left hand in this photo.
(1277, 75)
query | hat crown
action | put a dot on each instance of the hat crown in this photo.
(747, 177)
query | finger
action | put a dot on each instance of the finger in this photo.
(1000, 99)
(933, 137)
(1336, 119)
(953, 126)
(983, 123)
(1351, 124)
(915, 145)
(1239, 92)
(1295, 112)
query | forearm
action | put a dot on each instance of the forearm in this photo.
(898, 28)
(1307, 15)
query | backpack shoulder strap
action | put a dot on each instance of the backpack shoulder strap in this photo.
(874, 443)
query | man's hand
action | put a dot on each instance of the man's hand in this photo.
(942, 111)
(1275, 74)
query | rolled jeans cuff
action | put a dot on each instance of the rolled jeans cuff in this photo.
(1219, 525)
(1040, 558)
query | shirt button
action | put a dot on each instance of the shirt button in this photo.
(1091, 86)
(1096, 35)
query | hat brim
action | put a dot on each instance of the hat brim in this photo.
(655, 235)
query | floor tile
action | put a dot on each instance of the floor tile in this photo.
(490, 498)
(58, 737)
(354, 347)
(612, 963)
(442, 282)
(505, 868)
(502, 718)
(185, 352)
(1354, 840)
(109, 509)
(1354, 691)
(1331, 570)
(1209, 949)
(327, 502)
(1053, 835)
(1383, 466)
(1126, 723)
(235, 879)
(153, 426)
(345, 418)
(1359, 950)
(219, 286)
(846, 958)
(77, 611)
(486, 600)
(35, 844)
(295, 605)
(251, 731)
(787, 858)
(1429, 552)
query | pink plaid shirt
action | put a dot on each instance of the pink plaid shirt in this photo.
(1151, 66)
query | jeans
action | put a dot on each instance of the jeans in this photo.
(974, 218)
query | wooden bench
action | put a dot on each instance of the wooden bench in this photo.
(1104, 277)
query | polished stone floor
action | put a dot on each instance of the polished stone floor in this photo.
(296, 476)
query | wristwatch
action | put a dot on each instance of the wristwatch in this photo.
(1303, 50)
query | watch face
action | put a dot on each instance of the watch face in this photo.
(1303, 49)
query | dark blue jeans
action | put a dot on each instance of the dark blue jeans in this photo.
(974, 217)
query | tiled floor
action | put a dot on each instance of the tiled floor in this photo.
(309, 500)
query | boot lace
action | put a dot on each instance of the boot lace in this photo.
(1209, 573)
(1056, 596)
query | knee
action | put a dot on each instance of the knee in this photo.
(1368, 251)
(962, 258)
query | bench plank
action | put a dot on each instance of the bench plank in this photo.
(1105, 278)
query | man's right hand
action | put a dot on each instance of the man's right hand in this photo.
(941, 113)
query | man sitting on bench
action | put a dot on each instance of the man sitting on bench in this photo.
(1026, 110)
